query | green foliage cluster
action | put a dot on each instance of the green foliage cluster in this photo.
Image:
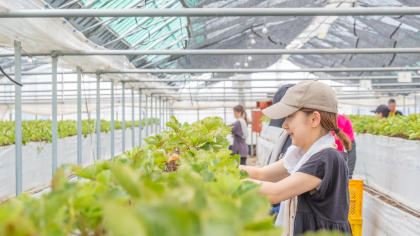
(407, 127)
(133, 195)
(41, 131)
(265, 118)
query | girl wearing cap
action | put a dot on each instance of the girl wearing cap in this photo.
(311, 180)
(240, 133)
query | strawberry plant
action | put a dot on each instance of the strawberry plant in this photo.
(40, 130)
(407, 127)
(134, 195)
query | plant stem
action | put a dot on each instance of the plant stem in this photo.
(181, 139)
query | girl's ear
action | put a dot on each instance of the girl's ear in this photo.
(315, 119)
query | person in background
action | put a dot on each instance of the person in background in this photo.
(240, 133)
(382, 111)
(344, 123)
(283, 141)
(392, 105)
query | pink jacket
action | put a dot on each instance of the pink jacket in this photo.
(346, 126)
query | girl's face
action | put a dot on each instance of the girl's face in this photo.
(237, 114)
(304, 129)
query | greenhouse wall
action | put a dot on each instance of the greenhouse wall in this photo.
(391, 166)
(37, 158)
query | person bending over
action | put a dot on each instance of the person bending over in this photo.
(382, 111)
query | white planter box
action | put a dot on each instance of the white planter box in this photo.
(390, 165)
(37, 158)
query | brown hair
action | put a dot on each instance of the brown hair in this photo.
(240, 108)
(329, 123)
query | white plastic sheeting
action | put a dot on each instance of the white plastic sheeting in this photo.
(382, 219)
(37, 158)
(52, 34)
(266, 142)
(391, 166)
(263, 150)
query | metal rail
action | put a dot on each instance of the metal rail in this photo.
(214, 52)
(241, 71)
(210, 12)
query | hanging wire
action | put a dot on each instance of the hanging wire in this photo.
(14, 81)
(148, 32)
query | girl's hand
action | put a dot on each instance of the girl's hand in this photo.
(253, 180)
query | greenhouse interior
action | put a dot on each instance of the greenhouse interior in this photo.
(210, 117)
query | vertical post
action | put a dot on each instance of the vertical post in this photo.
(415, 104)
(18, 118)
(160, 115)
(147, 118)
(405, 111)
(151, 114)
(140, 119)
(224, 102)
(112, 121)
(79, 115)
(98, 116)
(54, 115)
(156, 115)
(252, 138)
(198, 114)
(164, 114)
(123, 116)
(168, 118)
(133, 138)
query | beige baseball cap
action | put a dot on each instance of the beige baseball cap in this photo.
(306, 94)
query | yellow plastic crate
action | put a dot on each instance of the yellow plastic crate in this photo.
(356, 199)
(356, 226)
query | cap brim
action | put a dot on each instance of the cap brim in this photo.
(279, 110)
(277, 123)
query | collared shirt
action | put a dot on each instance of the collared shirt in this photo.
(395, 112)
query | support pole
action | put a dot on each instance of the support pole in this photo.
(54, 115)
(156, 115)
(160, 115)
(112, 121)
(133, 137)
(123, 116)
(164, 114)
(252, 136)
(224, 103)
(167, 113)
(415, 104)
(140, 119)
(79, 116)
(405, 111)
(198, 114)
(152, 121)
(98, 116)
(18, 118)
(147, 118)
